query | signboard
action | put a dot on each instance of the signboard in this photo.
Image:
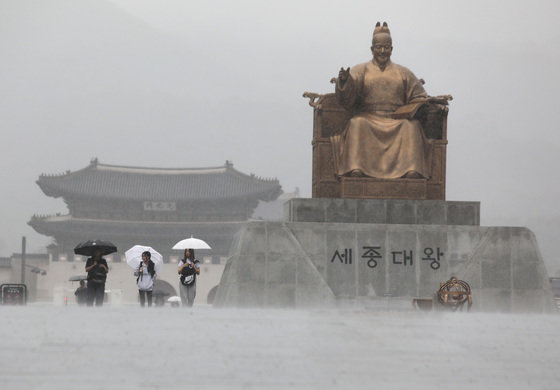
(373, 254)
(14, 294)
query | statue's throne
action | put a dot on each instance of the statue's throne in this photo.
(330, 118)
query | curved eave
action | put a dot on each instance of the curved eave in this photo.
(66, 224)
(48, 189)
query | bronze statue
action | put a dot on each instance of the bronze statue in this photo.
(382, 139)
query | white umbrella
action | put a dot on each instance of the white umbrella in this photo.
(134, 256)
(191, 243)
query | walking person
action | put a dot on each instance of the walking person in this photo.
(97, 270)
(81, 293)
(145, 277)
(188, 268)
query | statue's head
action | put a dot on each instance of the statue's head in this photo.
(382, 44)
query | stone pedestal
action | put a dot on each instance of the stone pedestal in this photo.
(341, 251)
(419, 212)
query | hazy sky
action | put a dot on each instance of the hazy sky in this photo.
(195, 83)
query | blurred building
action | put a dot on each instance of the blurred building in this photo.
(151, 206)
(34, 273)
(274, 210)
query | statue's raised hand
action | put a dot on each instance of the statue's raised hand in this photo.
(343, 75)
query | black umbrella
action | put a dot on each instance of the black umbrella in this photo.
(88, 248)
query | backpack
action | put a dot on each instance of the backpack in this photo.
(188, 275)
(99, 275)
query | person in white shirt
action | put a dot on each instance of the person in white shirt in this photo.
(189, 268)
(146, 275)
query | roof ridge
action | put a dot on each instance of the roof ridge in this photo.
(150, 170)
(136, 169)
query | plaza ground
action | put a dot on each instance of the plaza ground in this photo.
(126, 347)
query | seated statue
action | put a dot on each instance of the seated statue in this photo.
(382, 139)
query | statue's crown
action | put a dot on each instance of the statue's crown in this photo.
(381, 29)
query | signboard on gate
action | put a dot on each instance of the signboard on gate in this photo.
(14, 294)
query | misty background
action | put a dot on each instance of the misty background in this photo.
(175, 83)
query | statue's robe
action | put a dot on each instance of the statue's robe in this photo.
(373, 142)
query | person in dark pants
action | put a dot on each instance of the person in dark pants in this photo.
(146, 275)
(97, 269)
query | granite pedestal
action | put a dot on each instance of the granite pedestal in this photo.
(329, 252)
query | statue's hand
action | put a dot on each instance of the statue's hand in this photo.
(343, 75)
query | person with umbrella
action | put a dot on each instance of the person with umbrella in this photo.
(81, 293)
(146, 275)
(97, 270)
(189, 268)
(146, 263)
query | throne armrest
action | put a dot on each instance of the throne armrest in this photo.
(433, 117)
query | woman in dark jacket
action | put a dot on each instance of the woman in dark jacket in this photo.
(97, 269)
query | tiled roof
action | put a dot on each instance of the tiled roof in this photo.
(160, 184)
